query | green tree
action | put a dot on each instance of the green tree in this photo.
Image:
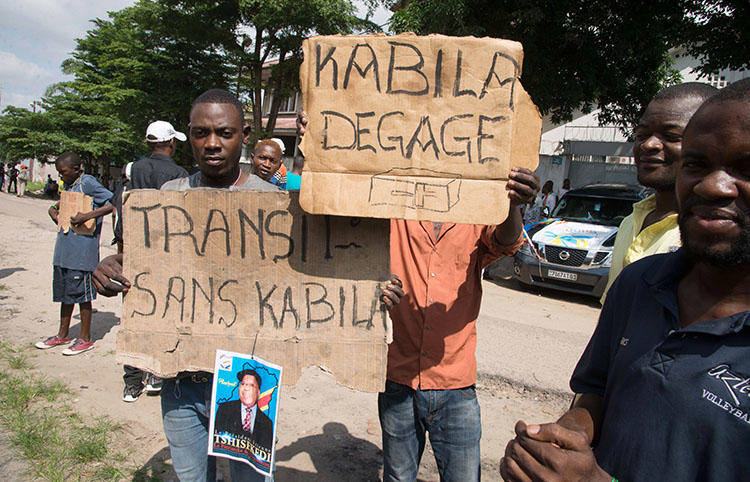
(719, 35)
(149, 62)
(145, 63)
(584, 54)
(271, 35)
(17, 129)
(81, 121)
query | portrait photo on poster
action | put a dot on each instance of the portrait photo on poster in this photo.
(244, 411)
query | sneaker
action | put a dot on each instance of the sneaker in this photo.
(51, 342)
(78, 346)
(153, 384)
(132, 392)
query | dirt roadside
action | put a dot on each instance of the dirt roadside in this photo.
(326, 431)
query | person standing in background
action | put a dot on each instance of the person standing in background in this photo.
(564, 189)
(149, 173)
(547, 198)
(652, 226)
(13, 175)
(23, 178)
(76, 256)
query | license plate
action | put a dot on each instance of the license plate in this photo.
(562, 275)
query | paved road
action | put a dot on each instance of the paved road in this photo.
(531, 337)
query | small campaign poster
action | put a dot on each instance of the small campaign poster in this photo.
(245, 403)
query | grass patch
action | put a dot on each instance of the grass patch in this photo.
(3, 287)
(47, 430)
(35, 185)
(19, 362)
(14, 357)
(90, 443)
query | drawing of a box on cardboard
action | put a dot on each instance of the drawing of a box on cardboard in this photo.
(415, 188)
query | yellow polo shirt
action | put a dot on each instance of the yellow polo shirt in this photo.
(633, 244)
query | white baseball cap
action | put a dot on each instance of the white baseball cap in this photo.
(280, 143)
(128, 169)
(162, 131)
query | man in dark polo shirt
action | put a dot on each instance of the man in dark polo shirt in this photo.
(149, 173)
(664, 384)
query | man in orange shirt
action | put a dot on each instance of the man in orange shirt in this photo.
(432, 364)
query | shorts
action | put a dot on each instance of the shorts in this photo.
(71, 286)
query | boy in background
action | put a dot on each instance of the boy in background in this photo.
(76, 256)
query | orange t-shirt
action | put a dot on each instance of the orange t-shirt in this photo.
(434, 325)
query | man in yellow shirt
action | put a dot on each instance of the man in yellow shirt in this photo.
(652, 227)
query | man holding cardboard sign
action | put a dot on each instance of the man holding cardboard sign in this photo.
(216, 134)
(432, 359)
(432, 144)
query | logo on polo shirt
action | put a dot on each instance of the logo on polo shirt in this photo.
(737, 385)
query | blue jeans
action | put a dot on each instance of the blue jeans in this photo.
(184, 410)
(452, 419)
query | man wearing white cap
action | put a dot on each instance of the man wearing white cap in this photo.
(150, 173)
(153, 171)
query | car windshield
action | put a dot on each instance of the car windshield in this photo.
(594, 210)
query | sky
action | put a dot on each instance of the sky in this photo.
(37, 35)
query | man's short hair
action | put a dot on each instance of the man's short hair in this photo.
(158, 145)
(220, 96)
(267, 142)
(70, 158)
(697, 90)
(247, 372)
(738, 91)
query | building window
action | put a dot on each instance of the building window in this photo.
(718, 81)
(288, 106)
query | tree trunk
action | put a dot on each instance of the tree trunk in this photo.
(257, 80)
(277, 82)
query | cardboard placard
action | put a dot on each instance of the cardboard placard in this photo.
(250, 272)
(72, 203)
(414, 127)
